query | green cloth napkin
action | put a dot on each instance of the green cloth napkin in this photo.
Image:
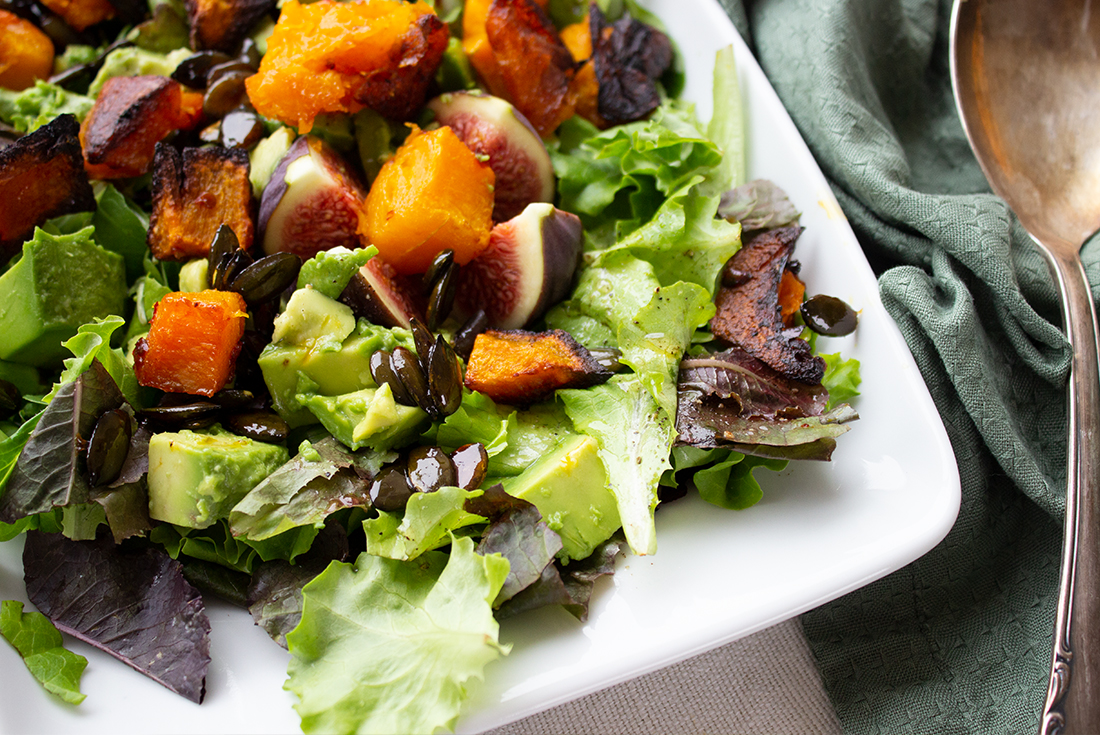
(960, 640)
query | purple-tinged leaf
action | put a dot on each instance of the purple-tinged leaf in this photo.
(569, 585)
(137, 459)
(758, 390)
(758, 205)
(135, 605)
(517, 532)
(127, 509)
(51, 470)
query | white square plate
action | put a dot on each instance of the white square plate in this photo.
(823, 529)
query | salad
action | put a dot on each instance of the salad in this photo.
(659, 249)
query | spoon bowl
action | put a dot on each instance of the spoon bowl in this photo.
(1026, 76)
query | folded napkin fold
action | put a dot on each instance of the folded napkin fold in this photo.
(960, 640)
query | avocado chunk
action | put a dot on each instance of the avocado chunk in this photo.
(24, 377)
(317, 339)
(59, 283)
(366, 418)
(569, 487)
(195, 478)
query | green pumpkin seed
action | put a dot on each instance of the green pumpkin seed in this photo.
(471, 463)
(444, 377)
(108, 447)
(408, 369)
(266, 278)
(263, 426)
(429, 468)
(381, 369)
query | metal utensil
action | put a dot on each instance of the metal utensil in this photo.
(1026, 76)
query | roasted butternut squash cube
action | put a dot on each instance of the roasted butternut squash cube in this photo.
(194, 193)
(26, 53)
(343, 56)
(130, 116)
(433, 195)
(534, 64)
(516, 367)
(81, 14)
(41, 176)
(192, 343)
(221, 25)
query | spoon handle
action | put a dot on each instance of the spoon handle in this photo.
(1073, 696)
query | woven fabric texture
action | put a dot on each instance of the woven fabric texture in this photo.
(960, 640)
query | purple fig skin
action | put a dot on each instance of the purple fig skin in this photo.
(527, 268)
(317, 211)
(492, 127)
(378, 294)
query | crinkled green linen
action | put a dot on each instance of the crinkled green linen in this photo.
(959, 641)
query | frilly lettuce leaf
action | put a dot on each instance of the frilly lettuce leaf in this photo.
(427, 524)
(727, 126)
(93, 342)
(841, 378)
(388, 646)
(39, 643)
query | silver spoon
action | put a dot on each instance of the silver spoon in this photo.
(1026, 75)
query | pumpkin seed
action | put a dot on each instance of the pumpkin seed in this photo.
(829, 316)
(263, 426)
(266, 278)
(234, 264)
(249, 54)
(225, 91)
(408, 370)
(444, 377)
(179, 416)
(381, 369)
(390, 490)
(471, 462)
(607, 357)
(429, 468)
(108, 447)
(439, 264)
(241, 129)
(422, 337)
(442, 298)
(233, 398)
(468, 332)
(192, 71)
(224, 244)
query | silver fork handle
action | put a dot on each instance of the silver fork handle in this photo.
(1073, 696)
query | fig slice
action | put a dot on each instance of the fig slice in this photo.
(493, 127)
(527, 268)
(380, 295)
(312, 202)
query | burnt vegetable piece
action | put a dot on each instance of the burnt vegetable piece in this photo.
(628, 57)
(535, 67)
(748, 311)
(194, 193)
(221, 25)
(520, 368)
(41, 176)
(130, 116)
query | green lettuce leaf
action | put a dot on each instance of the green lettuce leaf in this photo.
(217, 545)
(93, 342)
(12, 446)
(121, 226)
(841, 378)
(388, 646)
(39, 643)
(427, 524)
(727, 126)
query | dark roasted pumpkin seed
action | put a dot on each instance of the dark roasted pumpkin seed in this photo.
(471, 463)
(439, 264)
(263, 426)
(829, 316)
(233, 399)
(429, 468)
(408, 369)
(224, 244)
(444, 377)
(266, 278)
(607, 357)
(422, 337)
(249, 53)
(241, 129)
(381, 369)
(192, 71)
(442, 297)
(390, 491)
(468, 332)
(225, 92)
(179, 416)
(108, 447)
(234, 265)
(10, 399)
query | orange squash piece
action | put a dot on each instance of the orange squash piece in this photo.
(535, 66)
(519, 368)
(343, 56)
(433, 195)
(475, 42)
(192, 343)
(194, 193)
(26, 53)
(130, 116)
(81, 14)
(791, 292)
